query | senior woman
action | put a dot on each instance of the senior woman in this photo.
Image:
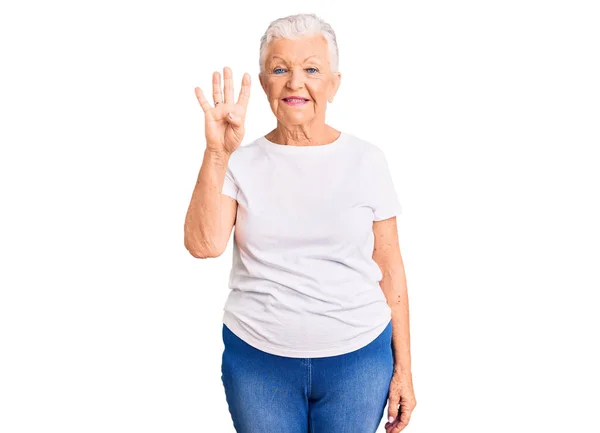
(316, 324)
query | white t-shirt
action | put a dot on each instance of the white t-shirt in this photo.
(303, 282)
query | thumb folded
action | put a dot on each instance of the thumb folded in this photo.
(233, 119)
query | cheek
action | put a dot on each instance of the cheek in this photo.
(319, 91)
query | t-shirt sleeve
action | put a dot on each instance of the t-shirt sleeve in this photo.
(383, 197)
(230, 187)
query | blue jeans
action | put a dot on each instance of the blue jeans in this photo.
(268, 393)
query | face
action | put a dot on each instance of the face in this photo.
(299, 67)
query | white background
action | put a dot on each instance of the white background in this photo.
(488, 113)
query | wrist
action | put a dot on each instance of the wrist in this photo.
(399, 371)
(218, 155)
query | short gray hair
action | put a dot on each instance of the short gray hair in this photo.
(299, 25)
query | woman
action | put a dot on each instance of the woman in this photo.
(316, 326)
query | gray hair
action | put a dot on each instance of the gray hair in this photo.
(299, 25)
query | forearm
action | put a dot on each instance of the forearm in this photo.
(203, 218)
(401, 335)
(394, 287)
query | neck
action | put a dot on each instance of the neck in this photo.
(301, 135)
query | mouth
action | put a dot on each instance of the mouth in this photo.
(295, 101)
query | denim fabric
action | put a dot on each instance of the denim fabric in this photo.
(268, 393)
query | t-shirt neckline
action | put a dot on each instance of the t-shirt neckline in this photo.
(282, 148)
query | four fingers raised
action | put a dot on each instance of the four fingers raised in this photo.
(243, 97)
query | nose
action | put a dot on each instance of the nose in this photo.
(296, 80)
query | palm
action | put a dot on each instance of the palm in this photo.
(222, 133)
(219, 131)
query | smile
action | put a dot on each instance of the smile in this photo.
(295, 102)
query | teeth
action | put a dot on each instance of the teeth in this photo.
(295, 100)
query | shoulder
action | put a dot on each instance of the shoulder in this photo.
(367, 149)
(245, 153)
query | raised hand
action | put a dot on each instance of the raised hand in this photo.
(224, 133)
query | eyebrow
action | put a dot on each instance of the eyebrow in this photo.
(277, 57)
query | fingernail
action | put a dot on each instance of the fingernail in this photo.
(391, 419)
(231, 116)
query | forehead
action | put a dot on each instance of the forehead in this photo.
(298, 50)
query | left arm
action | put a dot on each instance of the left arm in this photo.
(386, 254)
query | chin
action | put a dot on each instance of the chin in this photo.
(297, 120)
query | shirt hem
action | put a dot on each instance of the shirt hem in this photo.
(232, 323)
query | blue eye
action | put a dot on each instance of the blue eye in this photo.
(276, 69)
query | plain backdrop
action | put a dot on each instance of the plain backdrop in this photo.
(488, 113)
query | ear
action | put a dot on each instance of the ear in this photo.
(337, 80)
(262, 83)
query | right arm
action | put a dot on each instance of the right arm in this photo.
(211, 215)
